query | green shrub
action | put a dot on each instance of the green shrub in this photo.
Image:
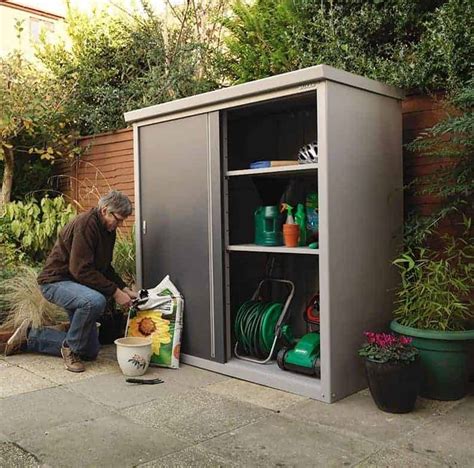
(33, 226)
(120, 62)
(417, 45)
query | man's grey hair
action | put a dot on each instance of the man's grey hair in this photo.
(116, 202)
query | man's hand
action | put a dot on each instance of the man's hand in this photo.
(131, 294)
(122, 298)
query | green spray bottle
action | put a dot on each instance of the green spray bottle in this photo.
(300, 218)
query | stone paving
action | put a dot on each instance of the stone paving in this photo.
(53, 418)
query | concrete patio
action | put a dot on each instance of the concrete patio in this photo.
(51, 417)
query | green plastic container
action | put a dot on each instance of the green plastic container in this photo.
(444, 359)
(268, 222)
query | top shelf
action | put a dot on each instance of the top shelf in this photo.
(279, 170)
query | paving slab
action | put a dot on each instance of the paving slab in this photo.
(3, 363)
(111, 441)
(196, 415)
(16, 381)
(15, 359)
(189, 376)
(11, 455)
(108, 352)
(358, 416)
(37, 412)
(258, 395)
(449, 439)
(191, 457)
(112, 390)
(52, 368)
(281, 441)
(388, 458)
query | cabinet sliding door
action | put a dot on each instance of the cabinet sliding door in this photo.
(180, 223)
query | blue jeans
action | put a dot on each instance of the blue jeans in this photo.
(84, 306)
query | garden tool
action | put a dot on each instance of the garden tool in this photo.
(145, 381)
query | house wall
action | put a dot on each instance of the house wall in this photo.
(33, 22)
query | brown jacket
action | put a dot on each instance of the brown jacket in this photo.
(83, 253)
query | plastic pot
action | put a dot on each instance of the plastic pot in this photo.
(394, 386)
(444, 357)
(291, 233)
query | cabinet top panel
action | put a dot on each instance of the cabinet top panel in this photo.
(303, 80)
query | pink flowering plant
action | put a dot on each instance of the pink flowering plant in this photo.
(386, 347)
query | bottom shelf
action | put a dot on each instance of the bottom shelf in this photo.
(269, 375)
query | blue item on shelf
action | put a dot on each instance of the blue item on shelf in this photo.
(260, 164)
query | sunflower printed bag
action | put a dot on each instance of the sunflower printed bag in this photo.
(158, 314)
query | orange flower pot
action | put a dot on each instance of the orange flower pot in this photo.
(291, 234)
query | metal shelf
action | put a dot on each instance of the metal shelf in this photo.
(279, 249)
(279, 170)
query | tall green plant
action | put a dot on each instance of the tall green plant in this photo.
(436, 287)
(33, 226)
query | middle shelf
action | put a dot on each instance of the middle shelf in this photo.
(275, 171)
(272, 249)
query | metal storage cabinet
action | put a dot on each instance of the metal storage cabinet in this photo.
(193, 194)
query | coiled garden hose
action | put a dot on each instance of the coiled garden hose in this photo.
(254, 326)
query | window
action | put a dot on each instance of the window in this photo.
(37, 26)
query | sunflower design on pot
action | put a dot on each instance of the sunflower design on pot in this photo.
(151, 324)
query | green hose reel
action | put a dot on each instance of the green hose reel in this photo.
(258, 325)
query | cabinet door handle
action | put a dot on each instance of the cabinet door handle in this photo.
(144, 227)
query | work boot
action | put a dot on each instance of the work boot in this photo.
(17, 341)
(72, 361)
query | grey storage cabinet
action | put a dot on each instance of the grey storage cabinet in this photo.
(195, 199)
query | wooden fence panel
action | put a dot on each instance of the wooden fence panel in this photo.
(106, 164)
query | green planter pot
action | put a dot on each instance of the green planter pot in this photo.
(444, 360)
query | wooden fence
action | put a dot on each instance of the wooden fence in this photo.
(107, 163)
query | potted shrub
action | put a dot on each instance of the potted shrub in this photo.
(393, 371)
(435, 308)
(435, 299)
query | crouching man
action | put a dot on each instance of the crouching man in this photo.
(78, 276)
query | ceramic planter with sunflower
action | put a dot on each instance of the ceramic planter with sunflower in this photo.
(162, 323)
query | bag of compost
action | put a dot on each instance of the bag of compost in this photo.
(158, 314)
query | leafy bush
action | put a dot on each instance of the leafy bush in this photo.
(420, 45)
(121, 62)
(33, 124)
(33, 226)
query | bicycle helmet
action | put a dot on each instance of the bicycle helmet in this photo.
(308, 153)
